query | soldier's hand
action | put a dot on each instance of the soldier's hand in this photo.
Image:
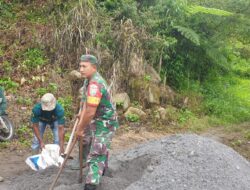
(79, 132)
(78, 116)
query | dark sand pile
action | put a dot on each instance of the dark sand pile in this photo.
(175, 163)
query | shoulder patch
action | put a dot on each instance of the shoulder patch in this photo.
(93, 89)
(94, 94)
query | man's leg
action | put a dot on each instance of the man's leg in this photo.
(97, 159)
(86, 143)
(54, 128)
(35, 143)
(86, 148)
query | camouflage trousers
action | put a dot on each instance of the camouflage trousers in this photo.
(97, 159)
(86, 143)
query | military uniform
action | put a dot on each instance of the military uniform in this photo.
(3, 103)
(101, 128)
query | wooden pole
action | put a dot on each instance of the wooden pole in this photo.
(63, 164)
(80, 158)
(71, 137)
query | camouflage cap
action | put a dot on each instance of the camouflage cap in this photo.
(89, 58)
(48, 102)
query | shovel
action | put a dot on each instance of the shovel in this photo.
(71, 138)
(80, 158)
(63, 164)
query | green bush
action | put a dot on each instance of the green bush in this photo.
(4, 144)
(8, 84)
(41, 91)
(136, 104)
(36, 16)
(242, 67)
(147, 78)
(228, 99)
(7, 67)
(184, 116)
(51, 88)
(33, 58)
(24, 101)
(7, 15)
(66, 102)
(133, 117)
(119, 104)
(25, 135)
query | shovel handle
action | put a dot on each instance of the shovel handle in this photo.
(71, 137)
(63, 164)
(80, 158)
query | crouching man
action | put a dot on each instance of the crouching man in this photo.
(48, 113)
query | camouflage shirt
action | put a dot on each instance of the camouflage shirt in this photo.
(3, 103)
(95, 93)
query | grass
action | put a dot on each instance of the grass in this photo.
(50, 88)
(36, 16)
(132, 117)
(4, 145)
(247, 135)
(8, 84)
(8, 15)
(34, 57)
(228, 98)
(66, 102)
(26, 101)
(24, 134)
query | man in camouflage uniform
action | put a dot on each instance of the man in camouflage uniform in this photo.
(3, 103)
(3, 106)
(98, 114)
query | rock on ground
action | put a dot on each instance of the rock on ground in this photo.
(180, 162)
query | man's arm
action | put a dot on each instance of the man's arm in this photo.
(37, 133)
(92, 101)
(35, 125)
(86, 116)
(61, 122)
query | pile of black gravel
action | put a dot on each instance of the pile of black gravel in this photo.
(175, 163)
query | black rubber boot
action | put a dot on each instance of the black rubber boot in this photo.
(90, 187)
(104, 170)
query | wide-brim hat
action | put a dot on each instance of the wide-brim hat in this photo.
(48, 102)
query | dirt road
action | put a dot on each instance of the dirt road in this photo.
(183, 161)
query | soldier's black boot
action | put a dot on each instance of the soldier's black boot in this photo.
(90, 187)
(103, 173)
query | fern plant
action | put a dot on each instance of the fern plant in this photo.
(189, 34)
(206, 10)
